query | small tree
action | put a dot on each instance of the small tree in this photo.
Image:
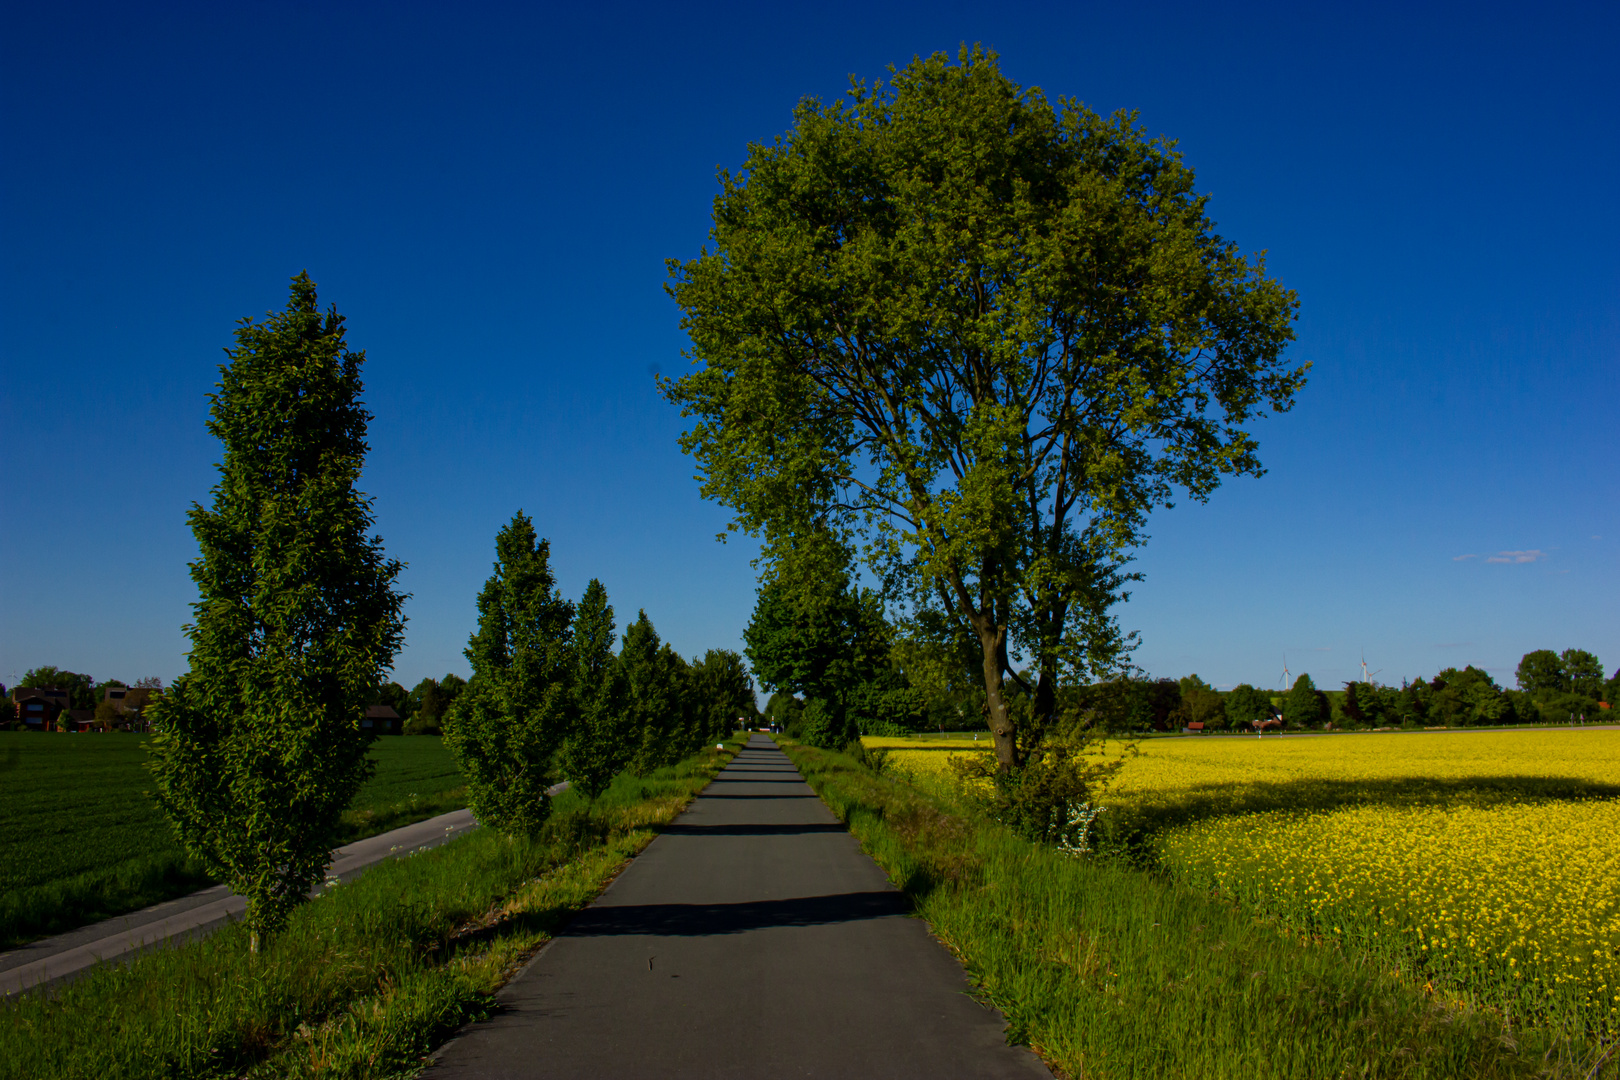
(1303, 706)
(506, 725)
(260, 747)
(659, 698)
(599, 745)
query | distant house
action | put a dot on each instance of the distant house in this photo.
(76, 720)
(39, 706)
(381, 720)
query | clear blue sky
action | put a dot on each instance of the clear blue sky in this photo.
(489, 192)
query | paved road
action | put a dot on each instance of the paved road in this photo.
(50, 960)
(752, 939)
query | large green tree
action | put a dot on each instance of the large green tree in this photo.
(987, 333)
(260, 746)
(512, 716)
(598, 745)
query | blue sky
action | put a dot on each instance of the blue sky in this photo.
(489, 193)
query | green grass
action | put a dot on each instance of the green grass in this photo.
(1112, 971)
(367, 979)
(82, 840)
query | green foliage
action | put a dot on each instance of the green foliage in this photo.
(824, 639)
(663, 724)
(1303, 706)
(827, 724)
(1584, 672)
(988, 333)
(599, 745)
(80, 688)
(519, 704)
(787, 713)
(1469, 696)
(1546, 674)
(1050, 797)
(429, 702)
(723, 693)
(260, 747)
(1201, 703)
(1542, 671)
(1246, 705)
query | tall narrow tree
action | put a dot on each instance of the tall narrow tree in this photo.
(598, 745)
(658, 697)
(511, 718)
(260, 747)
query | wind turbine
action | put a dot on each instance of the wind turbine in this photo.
(1285, 672)
(1366, 676)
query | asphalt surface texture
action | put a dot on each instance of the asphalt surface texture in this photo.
(752, 938)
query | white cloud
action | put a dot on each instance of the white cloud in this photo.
(1535, 555)
(1460, 558)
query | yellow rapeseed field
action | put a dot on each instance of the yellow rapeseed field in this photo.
(1484, 863)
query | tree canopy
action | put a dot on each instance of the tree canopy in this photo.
(518, 705)
(598, 744)
(987, 334)
(260, 746)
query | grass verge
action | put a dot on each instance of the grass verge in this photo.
(367, 979)
(1110, 971)
(82, 840)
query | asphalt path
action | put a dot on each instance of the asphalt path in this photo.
(752, 938)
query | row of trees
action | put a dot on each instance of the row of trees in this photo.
(260, 745)
(549, 696)
(1552, 688)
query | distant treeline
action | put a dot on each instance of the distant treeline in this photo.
(1553, 688)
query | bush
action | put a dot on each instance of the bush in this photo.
(826, 725)
(1051, 798)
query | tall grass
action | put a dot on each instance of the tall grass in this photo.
(366, 979)
(81, 839)
(1112, 971)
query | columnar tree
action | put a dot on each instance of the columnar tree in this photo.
(260, 746)
(516, 708)
(660, 723)
(598, 745)
(989, 334)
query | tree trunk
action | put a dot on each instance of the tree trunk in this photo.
(999, 716)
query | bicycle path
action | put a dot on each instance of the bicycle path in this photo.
(752, 938)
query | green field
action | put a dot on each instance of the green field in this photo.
(81, 838)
